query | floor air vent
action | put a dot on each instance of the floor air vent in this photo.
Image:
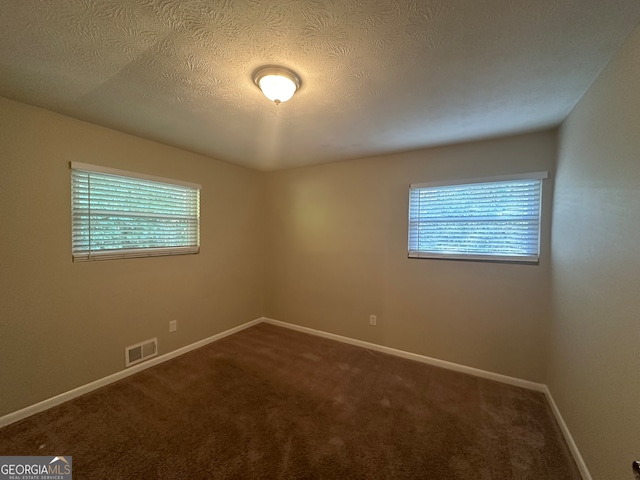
(140, 351)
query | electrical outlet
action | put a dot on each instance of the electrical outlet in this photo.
(173, 326)
(373, 320)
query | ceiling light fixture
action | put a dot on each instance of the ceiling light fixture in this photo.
(277, 83)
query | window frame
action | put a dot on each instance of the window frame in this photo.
(528, 259)
(120, 253)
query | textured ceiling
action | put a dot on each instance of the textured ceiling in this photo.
(378, 76)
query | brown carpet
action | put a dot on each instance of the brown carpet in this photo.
(269, 402)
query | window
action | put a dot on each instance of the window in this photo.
(118, 214)
(486, 219)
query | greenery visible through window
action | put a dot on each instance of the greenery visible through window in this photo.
(117, 214)
(490, 219)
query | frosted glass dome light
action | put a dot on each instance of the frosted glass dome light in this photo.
(277, 83)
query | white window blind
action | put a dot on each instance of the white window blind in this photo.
(489, 219)
(118, 214)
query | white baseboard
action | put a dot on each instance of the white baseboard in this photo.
(539, 387)
(89, 387)
(77, 392)
(582, 466)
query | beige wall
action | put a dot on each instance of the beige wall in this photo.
(594, 361)
(338, 252)
(64, 324)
